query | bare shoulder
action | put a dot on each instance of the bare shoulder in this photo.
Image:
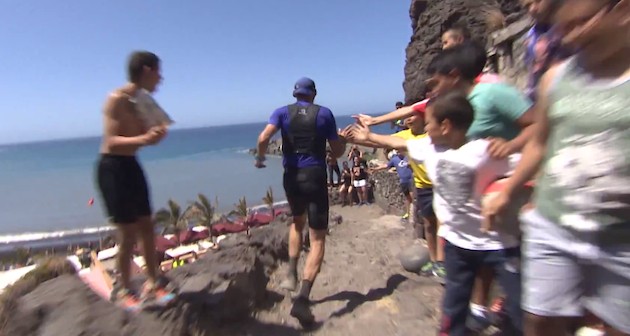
(116, 102)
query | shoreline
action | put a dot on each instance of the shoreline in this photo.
(60, 241)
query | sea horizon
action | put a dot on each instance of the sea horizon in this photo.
(51, 182)
(174, 128)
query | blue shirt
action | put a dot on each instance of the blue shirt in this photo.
(543, 49)
(402, 168)
(326, 129)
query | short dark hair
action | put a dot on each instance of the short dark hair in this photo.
(460, 29)
(454, 107)
(468, 58)
(137, 61)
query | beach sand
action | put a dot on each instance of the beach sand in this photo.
(362, 289)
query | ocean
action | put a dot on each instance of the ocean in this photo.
(46, 186)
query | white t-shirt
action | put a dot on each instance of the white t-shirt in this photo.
(459, 178)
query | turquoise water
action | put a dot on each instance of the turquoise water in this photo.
(46, 186)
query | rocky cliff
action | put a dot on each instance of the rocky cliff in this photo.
(221, 287)
(431, 18)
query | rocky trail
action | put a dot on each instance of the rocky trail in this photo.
(361, 290)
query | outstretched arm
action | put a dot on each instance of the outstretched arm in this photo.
(360, 134)
(401, 113)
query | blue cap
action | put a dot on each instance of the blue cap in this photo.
(304, 86)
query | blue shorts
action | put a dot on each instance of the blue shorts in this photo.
(424, 202)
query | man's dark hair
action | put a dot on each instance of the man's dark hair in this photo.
(460, 29)
(137, 61)
(468, 58)
(455, 107)
(399, 103)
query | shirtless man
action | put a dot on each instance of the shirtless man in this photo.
(120, 177)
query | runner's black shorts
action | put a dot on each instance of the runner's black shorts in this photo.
(307, 192)
(123, 188)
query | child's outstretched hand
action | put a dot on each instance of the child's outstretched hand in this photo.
(364, 119)
(358, 132)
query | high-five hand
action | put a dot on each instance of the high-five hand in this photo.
(364, 119)
(358, 132)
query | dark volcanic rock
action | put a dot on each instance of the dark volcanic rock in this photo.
(275, 148)
(66, 306)
(430, 18)
(222, 286)
(387, 192)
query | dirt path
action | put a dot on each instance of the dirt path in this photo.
(361, 290)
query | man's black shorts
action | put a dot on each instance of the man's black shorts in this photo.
(123, 188)
(405, 188)
(424, 202)
(307, 192)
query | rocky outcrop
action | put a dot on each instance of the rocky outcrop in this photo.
(275, 148)
(221, 287)
(430, 18)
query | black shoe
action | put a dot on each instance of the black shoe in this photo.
(301, 310)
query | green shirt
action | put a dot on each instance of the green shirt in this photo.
(498, 107)
(585, 185)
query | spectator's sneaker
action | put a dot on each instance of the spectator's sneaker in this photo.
(427, 269)
(476, 323)
(498, 305)
(439, 271)
(160, 294)
(127, 299)
(405, 217)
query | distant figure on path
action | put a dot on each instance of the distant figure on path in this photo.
(399, 125)
(129, 124)
(305, 129)
(333, 167)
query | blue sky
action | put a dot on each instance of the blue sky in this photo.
(224, 61)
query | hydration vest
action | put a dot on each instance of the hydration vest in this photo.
(301, 136)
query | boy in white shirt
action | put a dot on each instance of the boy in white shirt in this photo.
(461, 170)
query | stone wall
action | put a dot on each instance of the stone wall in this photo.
(506, 52)
(387, 192)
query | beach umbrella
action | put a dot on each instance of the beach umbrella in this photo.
(259, 219)
(200, 235)
(227, 227)
(162, 244)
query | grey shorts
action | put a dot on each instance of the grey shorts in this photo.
(564, 273)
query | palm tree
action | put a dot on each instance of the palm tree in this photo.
(207, 210)
(268, 200)
(171, 218)
(241, 209)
